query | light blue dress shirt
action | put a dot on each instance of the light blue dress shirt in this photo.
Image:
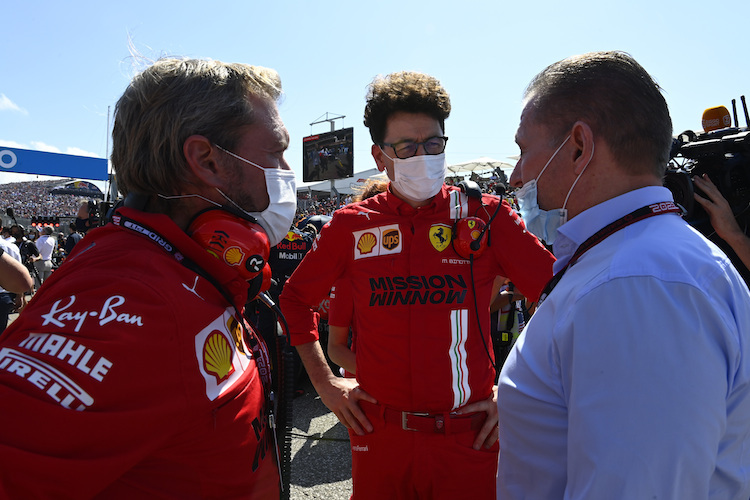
(632, 379)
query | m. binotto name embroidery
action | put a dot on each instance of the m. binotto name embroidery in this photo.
(61, 314)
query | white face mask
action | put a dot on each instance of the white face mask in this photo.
(544, 223)
(281, 186)
(420, 177)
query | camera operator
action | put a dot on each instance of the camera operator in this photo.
(722, 219)
(87, 217)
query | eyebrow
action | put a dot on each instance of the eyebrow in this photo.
(415, 140)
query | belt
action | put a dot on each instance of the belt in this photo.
(438, 423)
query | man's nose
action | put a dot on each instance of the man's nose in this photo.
(516, 177)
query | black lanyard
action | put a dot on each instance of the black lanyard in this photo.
(665, 207)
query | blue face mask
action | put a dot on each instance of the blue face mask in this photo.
(544, 223)
(541, 223)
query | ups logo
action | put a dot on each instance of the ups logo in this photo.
(391, 239)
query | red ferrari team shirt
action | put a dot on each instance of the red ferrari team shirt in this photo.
(128, 376)
(421, 344)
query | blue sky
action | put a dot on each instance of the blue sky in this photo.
(64, 64)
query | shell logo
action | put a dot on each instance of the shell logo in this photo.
(475, 231)
(217, 356)
(366, 243)
(233, 256)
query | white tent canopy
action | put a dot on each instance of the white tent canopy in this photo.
(343, 186)
(479, 165)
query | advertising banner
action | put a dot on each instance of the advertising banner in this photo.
(25, 161)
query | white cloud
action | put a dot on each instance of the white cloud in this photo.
(12, 144)
(41, 146)
(7, 105)
(80, 152)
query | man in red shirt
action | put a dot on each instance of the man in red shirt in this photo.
(132, 374)
(422, 412)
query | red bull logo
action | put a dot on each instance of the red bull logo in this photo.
(293, 236)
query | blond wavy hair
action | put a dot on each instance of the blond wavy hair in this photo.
(172, 100)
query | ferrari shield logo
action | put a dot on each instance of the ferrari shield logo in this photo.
(440, 236)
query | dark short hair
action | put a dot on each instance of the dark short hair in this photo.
(407, 91)
(616, 97)
(172, 100)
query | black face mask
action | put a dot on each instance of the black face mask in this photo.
(82, 225)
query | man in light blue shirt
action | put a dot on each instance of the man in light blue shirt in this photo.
(632, 379)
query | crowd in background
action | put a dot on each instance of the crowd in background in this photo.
(33, 198)
(41, 248)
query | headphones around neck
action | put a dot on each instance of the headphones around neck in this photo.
(231, 237)
(236, 241)
(469, 236)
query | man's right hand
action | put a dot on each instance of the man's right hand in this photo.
(340, 395)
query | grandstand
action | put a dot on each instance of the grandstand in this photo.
(33, 199)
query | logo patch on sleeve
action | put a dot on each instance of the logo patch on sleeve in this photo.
(217, 356)
(220, 360)
(383, 240)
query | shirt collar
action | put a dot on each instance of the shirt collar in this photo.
(578, 229)
(403, 208)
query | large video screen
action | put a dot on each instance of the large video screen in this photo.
(328, 156)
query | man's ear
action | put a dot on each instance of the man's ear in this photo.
(377, 154)
(582, 137)
(202, 160)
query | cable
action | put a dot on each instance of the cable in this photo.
(477, 243)
(285, 387)
(314, 438)
(476, 311)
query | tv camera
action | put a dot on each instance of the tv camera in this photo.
(722, 152)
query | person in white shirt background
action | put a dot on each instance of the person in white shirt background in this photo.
(43, 262)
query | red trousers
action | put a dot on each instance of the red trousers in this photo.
(394, 463)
